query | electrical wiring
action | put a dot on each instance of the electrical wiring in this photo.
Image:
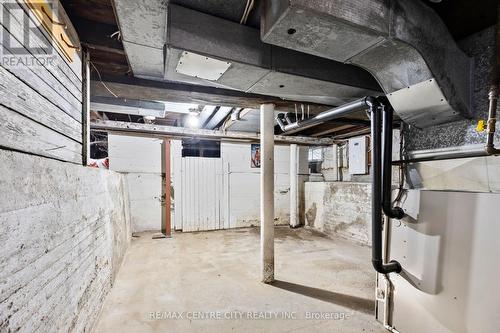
(102, 82)
(248, 8)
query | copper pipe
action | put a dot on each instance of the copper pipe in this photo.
(492, 119)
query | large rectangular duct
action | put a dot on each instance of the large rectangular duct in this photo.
(403, 43)
(196, 44)
(143, 26)
(124, 106)
(257, 67)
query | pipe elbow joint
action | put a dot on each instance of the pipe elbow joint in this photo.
(491, 150)
(394, 213)
(392, 267)
(279, 120)
(399, 213)
(372, 101)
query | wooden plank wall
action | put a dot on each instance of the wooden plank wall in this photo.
(40, 106)
(202, 194)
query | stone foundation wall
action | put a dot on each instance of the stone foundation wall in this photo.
(64, 230)
(339, 209)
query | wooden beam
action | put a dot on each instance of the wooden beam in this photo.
(134, 88)
(333, 129)
(184, 132)
(333, 126)
(230, 122)
(95, 10)
(351, 132)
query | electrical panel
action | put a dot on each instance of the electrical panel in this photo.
(358, 164)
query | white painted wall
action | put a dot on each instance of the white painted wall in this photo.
(208, 193)
(134, 154)
(141, 160)
(176, 179)
(240, 197)
(145, 193)
(243, 183)
(244, 189)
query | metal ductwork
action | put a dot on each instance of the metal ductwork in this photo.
(143, 30)
(203, 49)
(403, 43)
(123, 106)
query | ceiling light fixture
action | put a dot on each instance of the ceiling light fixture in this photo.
(193, 121)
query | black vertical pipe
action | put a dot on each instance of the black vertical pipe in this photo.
(376, 129)
(378, 180)
(389, 211)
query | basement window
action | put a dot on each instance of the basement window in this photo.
(200, 148)
(315, 159)
(315, 154)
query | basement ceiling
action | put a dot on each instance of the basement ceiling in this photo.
(229, 10)
(462, 17)
(96, 23)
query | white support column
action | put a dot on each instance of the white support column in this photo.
(294, 185)
(267, 191)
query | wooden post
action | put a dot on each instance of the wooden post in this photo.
(85, 107)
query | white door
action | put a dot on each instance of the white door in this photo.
(202, 194)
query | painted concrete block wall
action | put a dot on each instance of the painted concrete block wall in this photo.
(140, 159)
(145, 193)
(240, 194)
(133, 154)
(64, 230)
(335, 166)
(339, 209)
(243, 183)
(176, 183)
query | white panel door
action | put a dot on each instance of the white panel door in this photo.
(202, 194)
(145, 195)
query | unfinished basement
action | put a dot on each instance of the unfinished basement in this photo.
(249, 166)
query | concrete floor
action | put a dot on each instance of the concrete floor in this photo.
(216, 274)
